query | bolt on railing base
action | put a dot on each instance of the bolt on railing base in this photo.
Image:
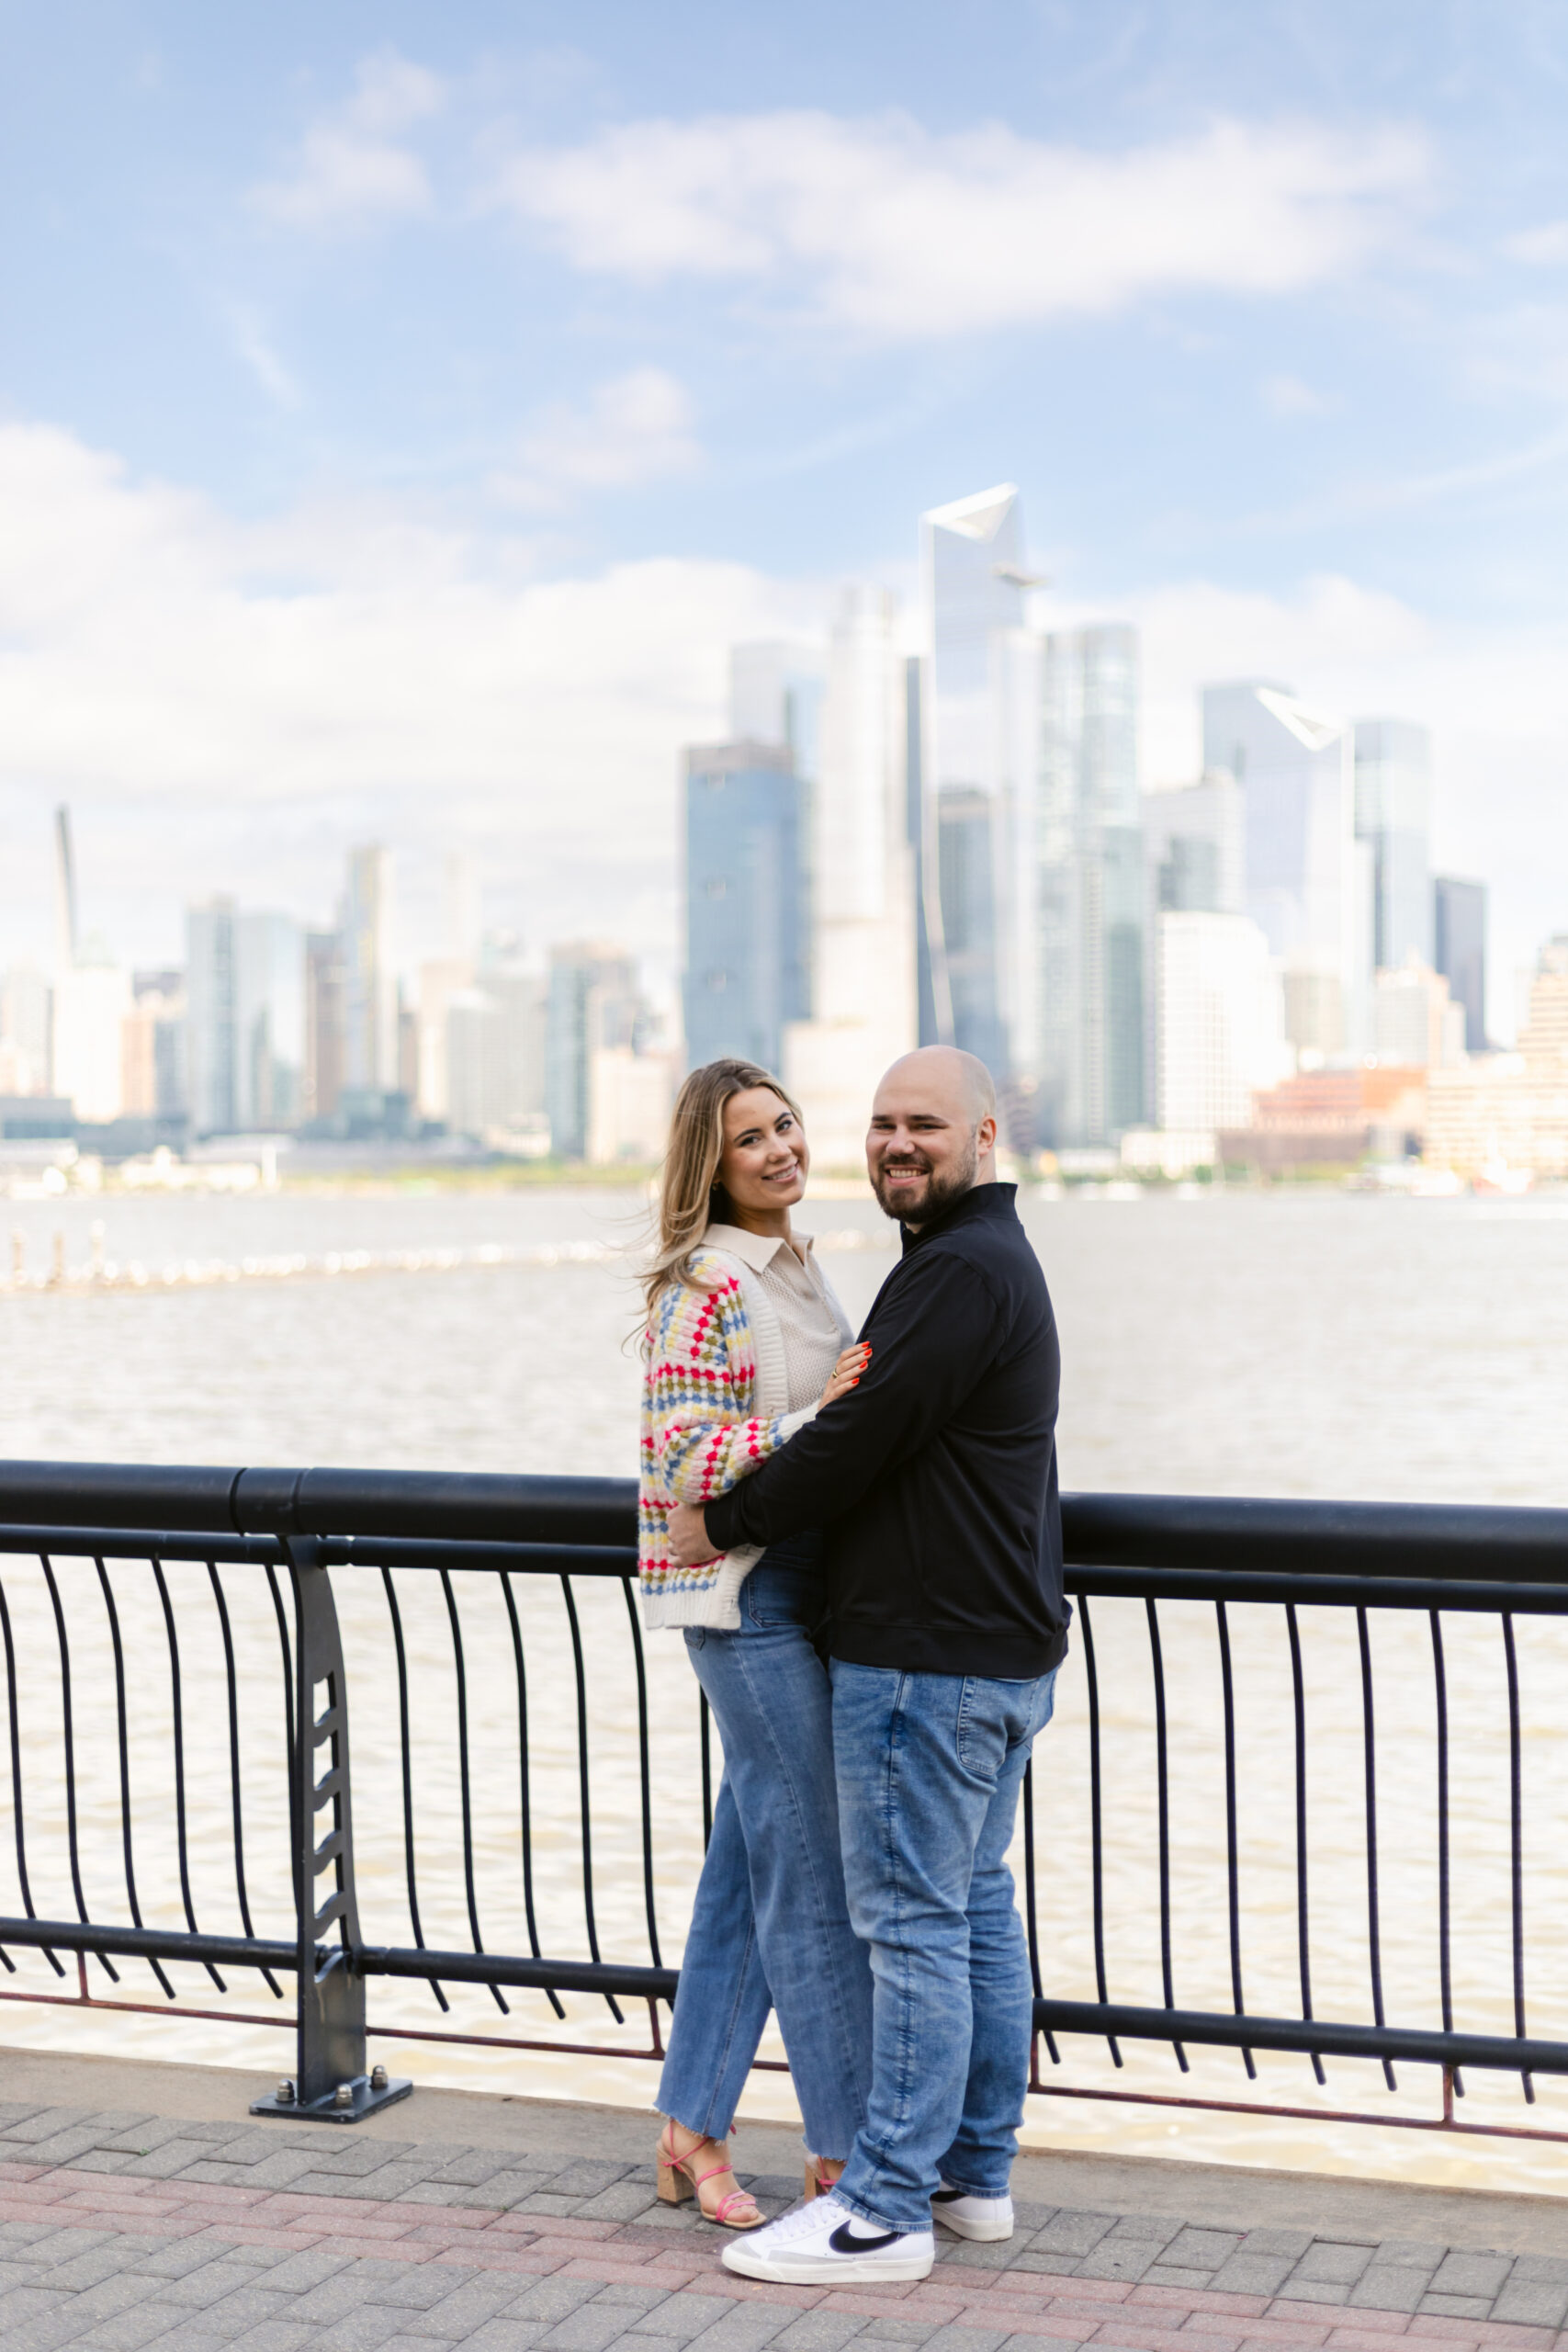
(363, 2095)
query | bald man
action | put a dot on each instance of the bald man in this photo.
(935, 1485)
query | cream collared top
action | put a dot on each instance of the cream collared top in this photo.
(812, 1324)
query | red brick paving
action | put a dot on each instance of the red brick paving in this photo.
(1104, 2312)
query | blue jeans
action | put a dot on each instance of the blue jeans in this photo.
(771, 1927)
(929, 1767)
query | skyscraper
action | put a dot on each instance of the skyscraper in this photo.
(209, 1016)
(863, 951)
(155, 1047)
(593, 1004)
(369, 980)
(246, 1019)
(24, 1030)
(1221, 1030)
(775, 697)
(494, 1056)
(746, 929)
(269, 1021)
(972, 790)
(1459, 927)
(91, 1002)
(1090, 908)
(324, 1038)
(967, 867)
(1195, 847)
(1394, 797)
(1308, 880)
(1194, 863)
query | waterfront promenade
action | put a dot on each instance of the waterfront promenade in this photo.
(140, 2206)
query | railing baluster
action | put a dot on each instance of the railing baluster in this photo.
(1370, 1769)
(1233, 1873)
(71, 1840)
(584, 1810)
(704, 1744)
(290, 1740)
(1445, 1974)
(644, 1773)
(496, 1994)
(175, 1686)
(1031, 1923)
(17, 1776)
(1515, 1840)
(1097, 1839)
(403, 1750)
(236, 1780)
(1162, 1764)
(1302, 1935)
(524, 1793)
(155, 1964)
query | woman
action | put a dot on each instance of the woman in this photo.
(744, 1340)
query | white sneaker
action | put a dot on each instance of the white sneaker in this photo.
(823, 2244)
(986, 2218)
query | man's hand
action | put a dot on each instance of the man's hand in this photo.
(688, 1537)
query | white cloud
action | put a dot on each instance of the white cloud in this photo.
(239, 701)
(351, 167)
(1287, 396)
(1545, 247)
(636, 428)
(899, 232)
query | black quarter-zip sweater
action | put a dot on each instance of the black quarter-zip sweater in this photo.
(934, 1481)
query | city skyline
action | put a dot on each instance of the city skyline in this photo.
(473, 387)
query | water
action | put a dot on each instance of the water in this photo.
(1239, 1343)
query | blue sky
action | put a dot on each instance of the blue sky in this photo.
(399, 407)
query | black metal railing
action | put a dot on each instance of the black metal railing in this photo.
(188, 1641)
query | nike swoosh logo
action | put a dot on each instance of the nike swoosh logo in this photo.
(948, 2196)
(842, 2243)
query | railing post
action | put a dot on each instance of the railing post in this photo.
(331, 2080)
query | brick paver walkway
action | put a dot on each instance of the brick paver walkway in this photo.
(122, 2231)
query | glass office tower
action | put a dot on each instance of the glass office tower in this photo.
(746, 936)
(1459, 925)
(1393, 812)
(1091, 907)
(975, 809)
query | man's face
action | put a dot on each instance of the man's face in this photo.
(922, 1149)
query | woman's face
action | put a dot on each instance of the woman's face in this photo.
(764, 1162)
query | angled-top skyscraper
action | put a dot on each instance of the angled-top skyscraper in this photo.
(1309, 882)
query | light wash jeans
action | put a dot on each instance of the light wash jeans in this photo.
(770, 1928)
(929, 1767)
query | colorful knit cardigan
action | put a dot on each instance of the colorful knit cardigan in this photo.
(713, 1392)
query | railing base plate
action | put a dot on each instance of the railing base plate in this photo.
(368, 2100)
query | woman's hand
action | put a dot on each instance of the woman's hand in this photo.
(846, 1372)
(688, 1536)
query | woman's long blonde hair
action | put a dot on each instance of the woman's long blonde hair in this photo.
(690, 1197)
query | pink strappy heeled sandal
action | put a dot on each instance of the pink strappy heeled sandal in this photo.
(818, 2178)
(737, 2209)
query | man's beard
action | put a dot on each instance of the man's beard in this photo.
(940, 1191)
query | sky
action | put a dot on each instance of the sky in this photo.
(403, 408)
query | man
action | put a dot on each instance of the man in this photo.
(935, 1485)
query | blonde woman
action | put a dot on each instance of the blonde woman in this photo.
(744, 1341)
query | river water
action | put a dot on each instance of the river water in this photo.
(1246, 1343)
